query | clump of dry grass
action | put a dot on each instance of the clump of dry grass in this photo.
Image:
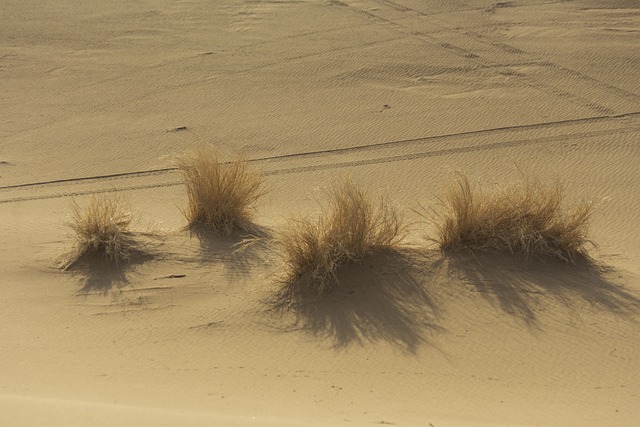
(354, 226)
(102, 229)
(221, 195)
(525, 219)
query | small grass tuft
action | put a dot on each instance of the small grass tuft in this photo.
(102, 229)
(221, 195)
(355, 226)
(525, 219)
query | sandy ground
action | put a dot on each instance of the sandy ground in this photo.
(97, 96)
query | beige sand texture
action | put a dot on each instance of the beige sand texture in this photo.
(97, 96)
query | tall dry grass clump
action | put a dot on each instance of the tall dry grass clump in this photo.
(354, 226)
(102, 229)
(526, 219)
(221, 195)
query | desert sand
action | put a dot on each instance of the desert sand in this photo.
(394, 94)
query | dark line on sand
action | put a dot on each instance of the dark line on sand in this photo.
(334, 150)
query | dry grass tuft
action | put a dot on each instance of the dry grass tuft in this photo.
(355, 226)
(221, 195)
(102, 229)
(525, 219)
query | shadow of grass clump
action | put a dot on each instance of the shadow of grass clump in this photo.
(237, 251)
(105, 249)
(101, 276)
(522, 288)
(346, 276)
(382, 298)
(519, 245)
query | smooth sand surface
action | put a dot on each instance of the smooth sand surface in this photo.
(97, 97)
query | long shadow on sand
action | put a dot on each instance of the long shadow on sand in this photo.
(100, 276)
(238, 253)
(385, 298)
(519, 288)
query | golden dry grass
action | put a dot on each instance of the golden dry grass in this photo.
(221, 196)
(102, 229)
(354, 226)
(526, 219)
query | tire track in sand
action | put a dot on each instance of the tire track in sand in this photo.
(565, 74)
(557, 132)
(483, 38)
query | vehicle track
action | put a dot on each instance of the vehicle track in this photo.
(463, 52)
(342, 150)
(570, 135)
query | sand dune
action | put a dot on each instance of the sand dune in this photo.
(395, 95)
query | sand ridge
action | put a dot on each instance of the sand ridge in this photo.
(393, 94)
